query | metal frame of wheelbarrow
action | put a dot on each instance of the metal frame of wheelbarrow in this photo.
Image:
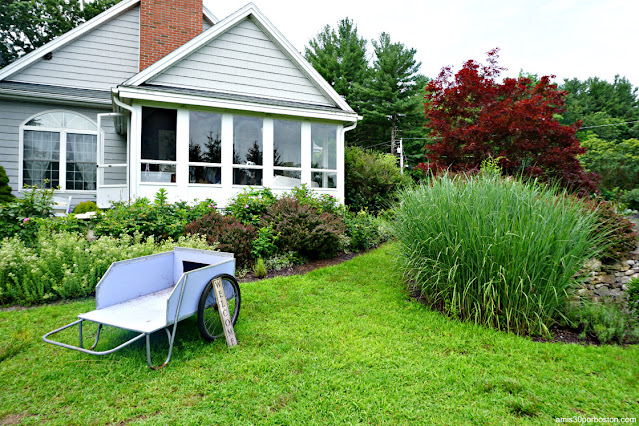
(150, 293)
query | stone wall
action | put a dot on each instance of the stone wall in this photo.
(610, 281)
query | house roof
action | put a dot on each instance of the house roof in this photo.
(66, 94)
(250, 10)
(79, 31)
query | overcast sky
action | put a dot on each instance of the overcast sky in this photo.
(567, 38)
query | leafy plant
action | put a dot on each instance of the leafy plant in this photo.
(633, 297)
(62, 265)
(5, 190)
(605, 320)
(372, 180)
(304, 229)
(85, 207)
(474, 117)
(228, 233)
(621, 238)
(363, 230)
(16, 215)
(307, 197)
(264, 243)
(631, 199)
(159, 219)
(260, 268)
(249, 205)
(494, 251)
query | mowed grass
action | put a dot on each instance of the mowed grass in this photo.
(342, 344)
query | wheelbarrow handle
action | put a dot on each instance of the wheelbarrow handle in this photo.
(80, 349)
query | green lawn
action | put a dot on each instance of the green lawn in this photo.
(340, 345)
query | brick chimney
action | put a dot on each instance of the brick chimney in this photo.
(166, 25)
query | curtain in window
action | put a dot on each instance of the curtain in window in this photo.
(81, 161)
(41, 158)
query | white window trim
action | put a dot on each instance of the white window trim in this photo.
(62, 181)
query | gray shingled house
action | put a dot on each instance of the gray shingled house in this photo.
(145, 96)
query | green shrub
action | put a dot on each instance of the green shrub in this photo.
(228, 233)
(363, 230)
(264, 243)
(605, 320)
(260, 268)
(616, 162)
(631, 199)
(619, 233)
(158, 219)
(249, 205)
(304, 229)
(5, 190)
(16, 215)
(633, 297)
(493, 251)
(65, 265)
(280, 261)
(372, 180)
(85, 207)
(322, 202)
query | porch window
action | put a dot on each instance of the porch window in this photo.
(158, 145)
(287, 153)
(205, 148)
(323, 156)
(59, 149)
(247, 150)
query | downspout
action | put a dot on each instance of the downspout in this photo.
(116, 100)
(344, 130)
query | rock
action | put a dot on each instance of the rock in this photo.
(624, 280)
(603, 291)
(630, 262)
(630, 272)
(607, 278)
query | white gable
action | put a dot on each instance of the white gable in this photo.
(100, 59)
(243, 60)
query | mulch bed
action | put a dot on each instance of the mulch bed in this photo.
(299, 269)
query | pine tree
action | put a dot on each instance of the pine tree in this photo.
(340, 57)
(394, 95)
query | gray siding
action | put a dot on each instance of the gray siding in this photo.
(244, 61)
(15, 113)
(100, 59)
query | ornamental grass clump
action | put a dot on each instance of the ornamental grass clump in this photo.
(494, 251)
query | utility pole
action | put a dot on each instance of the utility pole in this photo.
(400, 150)
(393, 135)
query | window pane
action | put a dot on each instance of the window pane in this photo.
(287, 178)
(208, 175)
(41, 151)
(158, 173)
(62, 120)
(324, 144)
(81, 161)
(323, 180)
(247, 177)
(205, 130)
(287, 143)
(158, 133)
(247, 140)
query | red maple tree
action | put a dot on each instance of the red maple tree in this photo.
(474, 117)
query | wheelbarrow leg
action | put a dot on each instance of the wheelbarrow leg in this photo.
(97, 337)
(148, 348)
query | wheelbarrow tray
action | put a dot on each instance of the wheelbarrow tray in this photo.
(150, 293)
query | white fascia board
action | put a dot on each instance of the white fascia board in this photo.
(67, 37)
(208, 15)
(221, 27)
(139, 93)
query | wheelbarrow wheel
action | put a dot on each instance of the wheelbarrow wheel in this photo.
(208, 317)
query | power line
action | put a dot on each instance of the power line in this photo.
(377, 144)
(606, 125)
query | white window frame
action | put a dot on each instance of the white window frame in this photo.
(202, 164)
(283, 168)
(144, 162)
(318, 170)
(263, 167)
(63, 149)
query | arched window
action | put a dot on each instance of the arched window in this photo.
(59, 148)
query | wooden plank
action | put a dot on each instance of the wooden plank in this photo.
(225, 315)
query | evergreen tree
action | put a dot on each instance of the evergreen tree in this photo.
(5, 190)
(393, 98)
(339, 55)
(28, 24)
